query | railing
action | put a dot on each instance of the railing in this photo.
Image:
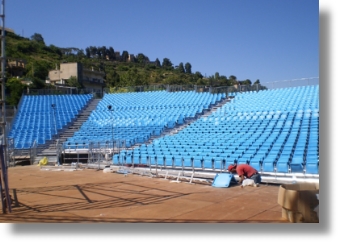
(292, 83)
(98, 93)
(216, 165)
(96, 151)
(33, 152)
(173, 88)
(220, 89)
(58, 147)
(10, 151)
(135, 88)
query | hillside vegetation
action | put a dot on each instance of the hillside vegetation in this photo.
(119, 72)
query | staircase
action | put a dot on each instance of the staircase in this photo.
(205, 113)
(49, 149)
(187, 122)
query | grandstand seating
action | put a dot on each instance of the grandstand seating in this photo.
(276, 131)
(137, 116)
(35, 117)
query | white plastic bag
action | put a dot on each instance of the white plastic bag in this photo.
(108, 170)
(248, 182)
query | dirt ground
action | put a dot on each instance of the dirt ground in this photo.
(89, 195)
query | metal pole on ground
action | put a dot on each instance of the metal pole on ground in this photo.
(98, 154)
(76, 146)
(3, 123)
(55, 126)
(110, 108)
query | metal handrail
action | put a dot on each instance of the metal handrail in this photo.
(33, 152)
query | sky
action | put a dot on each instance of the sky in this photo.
(269, 40)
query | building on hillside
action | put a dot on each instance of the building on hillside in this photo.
(16, 66)
(89, 78)
(7, 30)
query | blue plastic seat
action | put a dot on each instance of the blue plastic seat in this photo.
(268, 164)
(312, 168)
(282, 164)
(255, 163)
(297, 164)
(177, 159)
(197, 161)
(207, 161)
(168, 159)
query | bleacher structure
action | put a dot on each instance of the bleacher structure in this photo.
(41, 117)
(135, 117)
(276, 131)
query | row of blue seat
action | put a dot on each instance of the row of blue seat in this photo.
(271, 139)
(134, 116)
(38, 121)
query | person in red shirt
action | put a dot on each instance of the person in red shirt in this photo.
(245, 171)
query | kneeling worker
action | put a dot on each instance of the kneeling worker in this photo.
(245, 171)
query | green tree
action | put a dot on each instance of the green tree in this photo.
(37, 83)
(81, 53)
(223, 81)
(211, 80)
(171, 79)
(155, 77)
(112, 78)
(198, 75)
(232, 77)
(93, 50)
(88, 52)
(111, 54)
(104, 52)
(181, 68)
(124, 56)
(14, 88)
(216, 76)
(157, 63)
(38, 38)
(99, 52)
(201, 81)
(233, 80)
(141, 58)
(38, 69)
(73, 82)
(247, 82)
(188, 67)
(166, 63)
(55, 49)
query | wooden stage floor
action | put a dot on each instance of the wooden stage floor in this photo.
(88, 196)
